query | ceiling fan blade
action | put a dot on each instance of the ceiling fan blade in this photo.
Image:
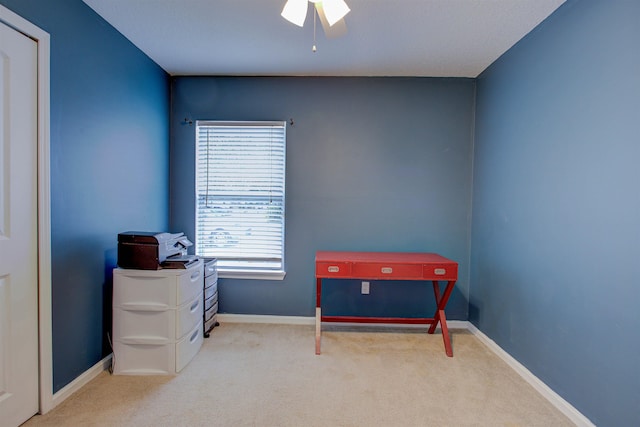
(295, 11)
(336, 30)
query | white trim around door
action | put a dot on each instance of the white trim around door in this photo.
(41, 37)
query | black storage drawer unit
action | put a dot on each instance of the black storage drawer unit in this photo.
(210, 295)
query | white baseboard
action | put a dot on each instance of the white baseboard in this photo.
(554, 398)
(304, 320)
(256, 318)
(84, 378)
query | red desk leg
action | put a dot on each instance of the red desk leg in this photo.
(439, 316)
(318, 313)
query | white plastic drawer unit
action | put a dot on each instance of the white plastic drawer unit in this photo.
(188, 347)
(157, 319)
(141, 358)
(156, 289)
(159, 326)
(188, 315)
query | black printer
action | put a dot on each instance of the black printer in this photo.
(144, 250)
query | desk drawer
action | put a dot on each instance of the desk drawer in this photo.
(329, 269)
(440, 272)
(387, 270)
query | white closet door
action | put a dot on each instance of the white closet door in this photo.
(18, 228)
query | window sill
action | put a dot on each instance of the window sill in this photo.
(256, 275)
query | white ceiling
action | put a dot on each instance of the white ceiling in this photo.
(431, 38)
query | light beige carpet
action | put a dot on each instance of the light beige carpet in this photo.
(269, 375)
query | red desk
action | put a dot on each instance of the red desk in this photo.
(388, 266)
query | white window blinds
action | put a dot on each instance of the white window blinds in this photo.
(240, 177)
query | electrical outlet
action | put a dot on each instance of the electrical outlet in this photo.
(365, 288)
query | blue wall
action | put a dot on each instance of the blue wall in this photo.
(109, 168)
(373, 164)
(556, 215)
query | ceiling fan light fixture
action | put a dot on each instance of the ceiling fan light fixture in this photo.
(335, 10)
(295, 11)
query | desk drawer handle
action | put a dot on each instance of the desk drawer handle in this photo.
(333, 269)
(386, 270)
(440, 271)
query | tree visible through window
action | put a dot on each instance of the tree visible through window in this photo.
(240, 177)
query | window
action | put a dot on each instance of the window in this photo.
(240, 174)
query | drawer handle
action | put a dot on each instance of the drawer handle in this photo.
(440, 271)
(144, 306)
(195, 305)
(333, 269)
(195, 276)
(194, 337)
(386, 270)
